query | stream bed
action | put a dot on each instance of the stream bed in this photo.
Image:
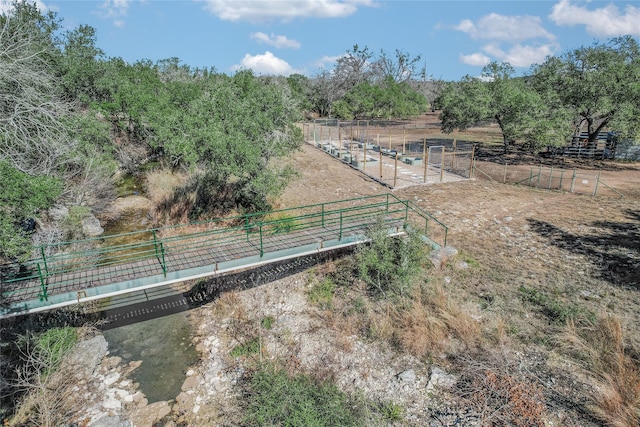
(165, 348)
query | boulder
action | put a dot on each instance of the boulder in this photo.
(149, 415)
(91, 226)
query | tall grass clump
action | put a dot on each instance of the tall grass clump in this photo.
(615, 371)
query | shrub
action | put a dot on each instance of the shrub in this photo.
(276, 398)
(388, 265)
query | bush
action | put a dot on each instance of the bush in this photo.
(388, 265)
(275, 398)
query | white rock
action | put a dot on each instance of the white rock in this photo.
(111, 378)
(110, 402)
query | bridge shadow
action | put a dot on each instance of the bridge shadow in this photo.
(614, 250)
(139, 306)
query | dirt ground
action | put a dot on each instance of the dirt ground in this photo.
(580, 251)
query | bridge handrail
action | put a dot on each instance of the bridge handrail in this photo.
(154, 246)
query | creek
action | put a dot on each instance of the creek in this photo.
(163, 344)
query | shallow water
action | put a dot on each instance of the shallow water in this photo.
(165, 348)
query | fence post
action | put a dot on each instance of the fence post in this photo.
(44, 260)
(395, 171)
(573, 181)
(539, 176)
(442, 165)
(472, 162)
(387, 202)
(530, 177)
(340, 232)
(42, 284)
(504, 177)
(595, 190)
(261, 247)
(424, 158)
(323, 215)
(561, 176)
(550, 177)
(163, 262)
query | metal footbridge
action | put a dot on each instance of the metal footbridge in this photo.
(80, 271)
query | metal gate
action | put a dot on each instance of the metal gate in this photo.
(434, 163)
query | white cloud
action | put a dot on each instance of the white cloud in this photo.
(267, 63)
(505, 28)
(258, 11)
(606, 21)
(276, 40)
(520, 55)
(6, 6)
(475, 59)
(115, 8)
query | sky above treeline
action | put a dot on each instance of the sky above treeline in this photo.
(282, 37)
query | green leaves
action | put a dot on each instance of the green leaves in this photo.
(21, 197)
(388, 265)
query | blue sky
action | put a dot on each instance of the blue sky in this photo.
(280, 37)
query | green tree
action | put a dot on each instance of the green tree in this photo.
(21, 198)
(81, 65)
(521, 113)
(599, 85)
(387, 265)
(228, 134)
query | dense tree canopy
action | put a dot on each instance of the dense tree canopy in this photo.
(598, 84)
(589, 89)
(363, 85)
(71, 118)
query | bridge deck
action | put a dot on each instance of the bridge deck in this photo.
(93, 274)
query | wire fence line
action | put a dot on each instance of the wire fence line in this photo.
(548, 178)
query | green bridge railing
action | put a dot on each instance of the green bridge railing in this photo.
(53, 266)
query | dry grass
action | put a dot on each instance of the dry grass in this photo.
(501, 391)
(614, 373)
(430, 321)
(161, 183)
